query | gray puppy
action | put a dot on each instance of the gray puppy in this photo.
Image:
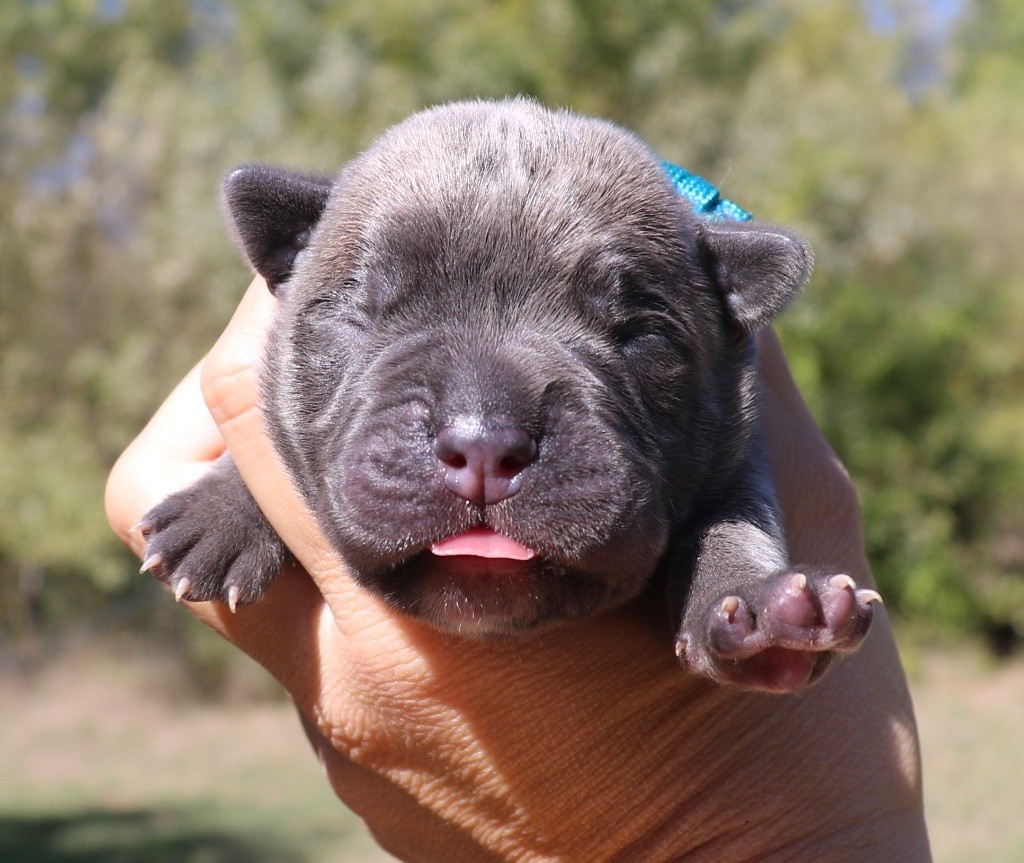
(512, 374)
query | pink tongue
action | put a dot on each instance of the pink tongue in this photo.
(482, 542)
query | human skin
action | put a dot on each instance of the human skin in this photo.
(586, 742)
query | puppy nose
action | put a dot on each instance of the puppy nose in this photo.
(483, 463)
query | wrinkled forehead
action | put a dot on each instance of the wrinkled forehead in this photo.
(476, 185)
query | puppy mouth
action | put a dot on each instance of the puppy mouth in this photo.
(479, 582)
(483, 584)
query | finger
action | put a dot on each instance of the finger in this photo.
(174, 449)
(230, 385)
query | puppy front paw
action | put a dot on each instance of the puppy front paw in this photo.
(211, 541)
(777, 634)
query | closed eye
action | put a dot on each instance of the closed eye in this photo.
(641, 327)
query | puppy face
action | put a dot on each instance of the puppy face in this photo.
(506, 367)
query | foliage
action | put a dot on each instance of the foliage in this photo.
(117, 120)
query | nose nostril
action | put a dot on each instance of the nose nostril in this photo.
(513, 464)
(455, 460)
(520, 448)
(450, 448)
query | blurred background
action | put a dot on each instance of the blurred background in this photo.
(890, 132)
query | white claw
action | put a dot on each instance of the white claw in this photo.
(233, 594)
(868, 596)
(730, 605)
(842, 582)
(798, 581)
(181, 588)
(151, 561)
(681, 648)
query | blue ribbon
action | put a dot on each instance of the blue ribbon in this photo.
(707, 201)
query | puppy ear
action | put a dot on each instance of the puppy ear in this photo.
(271, 213)
(757, 267)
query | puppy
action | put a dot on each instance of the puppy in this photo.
(512, 375)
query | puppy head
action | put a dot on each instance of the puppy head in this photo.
(509, 360)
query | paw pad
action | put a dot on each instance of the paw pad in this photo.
(778, 634)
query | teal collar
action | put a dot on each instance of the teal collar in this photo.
(707, 201)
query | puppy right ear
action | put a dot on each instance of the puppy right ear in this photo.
(757, 267)
(272, 213)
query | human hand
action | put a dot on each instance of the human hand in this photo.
(587, 742)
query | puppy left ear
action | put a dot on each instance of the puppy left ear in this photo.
(272, 213)
(757, 267)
